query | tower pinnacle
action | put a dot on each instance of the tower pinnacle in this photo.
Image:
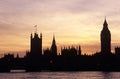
(54, 42)
(105, 25)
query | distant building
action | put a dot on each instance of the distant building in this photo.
(117, 51)
(105, 39)
(36, 45)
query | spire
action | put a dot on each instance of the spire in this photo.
(105, 25)
(105, 22)
(54, 47)
(54, 42)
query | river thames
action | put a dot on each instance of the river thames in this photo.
(61, 75)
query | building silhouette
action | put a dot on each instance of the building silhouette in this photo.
(36, 45)
(69, 59)
(52, 51)
(71, 51)
(53, 48)
(47, 52)
(105, 39)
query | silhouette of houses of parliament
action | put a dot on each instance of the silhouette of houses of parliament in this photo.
(70, 58)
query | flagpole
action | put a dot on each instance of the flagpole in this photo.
(35, 28)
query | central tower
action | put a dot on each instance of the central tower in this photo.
(36, 45)
(105, 39)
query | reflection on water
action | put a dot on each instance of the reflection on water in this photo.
(61, 75)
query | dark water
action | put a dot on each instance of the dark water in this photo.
(61, 75)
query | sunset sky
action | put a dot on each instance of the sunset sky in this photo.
(73, 22)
